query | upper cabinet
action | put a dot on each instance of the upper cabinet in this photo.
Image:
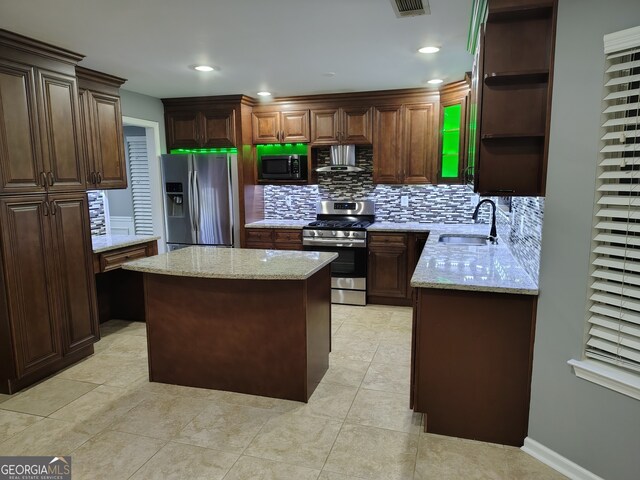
(193, 123)
(453, 145)
(290, 126)
(40, 126)
(404, 146)
(517, 62)
(102, 125)
(345, 125)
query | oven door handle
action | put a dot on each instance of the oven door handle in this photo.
(332, 243)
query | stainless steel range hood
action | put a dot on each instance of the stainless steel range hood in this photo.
(343, 159)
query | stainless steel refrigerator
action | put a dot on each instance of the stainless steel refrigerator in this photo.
(198, 199)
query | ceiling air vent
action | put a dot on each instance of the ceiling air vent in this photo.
(410, 8)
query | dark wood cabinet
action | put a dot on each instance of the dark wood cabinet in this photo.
(471, 363)
(48, 300)
(40, 124)
(280, 126)
(453, 144)
(274, 238)
(200, 127)
(404, 147)
(345, 125)
(393, 257)
(103, 131)
(517, 52)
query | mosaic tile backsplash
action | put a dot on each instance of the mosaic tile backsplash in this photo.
(96, 212)
(521, 228)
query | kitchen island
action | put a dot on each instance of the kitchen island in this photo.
(241, 320)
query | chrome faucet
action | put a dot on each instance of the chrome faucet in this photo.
(493, 235)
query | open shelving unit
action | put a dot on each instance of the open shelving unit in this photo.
(517, 68)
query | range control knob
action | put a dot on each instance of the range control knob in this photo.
(312, 233)
(333, 232)
(320, 234)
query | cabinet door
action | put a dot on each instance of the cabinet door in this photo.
(87, 139)
(356, 126)
(419, 150)
(266, 127)
(28, 256)
(387, 265)
(387, 152)
(295, 127)
(72, 239)
(61, 131)
(218, 128)
(182, 129)
(108, 141)
(20, 155)
(324, 127)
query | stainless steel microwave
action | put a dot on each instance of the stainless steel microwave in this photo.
(283, 167)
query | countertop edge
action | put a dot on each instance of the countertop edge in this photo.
(283, 225)
(476, 288)
(126, 243)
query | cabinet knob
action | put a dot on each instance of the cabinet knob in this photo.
(43, 178)
(45, 208)
(99, 177)
(50, 176)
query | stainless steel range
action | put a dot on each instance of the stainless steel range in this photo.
(341, 228)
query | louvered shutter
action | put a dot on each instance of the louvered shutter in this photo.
(140, 185)
(614, 309)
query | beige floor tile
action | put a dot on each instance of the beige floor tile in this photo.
(131, 346)
(399, 335)
(296, 439)
(47, 397)
(392, 353)
(336, 476)
(345, 372)
(4, 397)
(176, 461)
(523, 466)
(145, 386)
(15, 422)
(266, 403)
(123, 327)
(105, 342)
(160, 416)
(441, 458)
(112, 455)
(373, 453)
(359, 332)
(46, 437)
(109, 370)
(99, 408)
(224, 427)
(384, 410)
(250, 468)
(388, 378)
(329, 400)
(353, 348)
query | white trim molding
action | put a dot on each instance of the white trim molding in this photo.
(609, 377)
(622, 40)
(557, 462)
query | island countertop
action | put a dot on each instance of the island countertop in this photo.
(488, 268)
(234, 263)
(104, 243)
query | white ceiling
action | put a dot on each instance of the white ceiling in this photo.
(284, 46)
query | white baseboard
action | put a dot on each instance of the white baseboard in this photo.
(122, 226)
(557, 461)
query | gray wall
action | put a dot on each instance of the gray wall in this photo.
(594, 427)
(121, 201)
(144, 107)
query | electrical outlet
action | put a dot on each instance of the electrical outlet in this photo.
(404, 201)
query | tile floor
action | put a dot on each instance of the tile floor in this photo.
(116, 425)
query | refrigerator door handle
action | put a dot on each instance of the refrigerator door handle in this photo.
(190, 197)
(196, 203)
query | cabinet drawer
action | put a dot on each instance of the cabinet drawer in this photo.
(386, 239)
(259, 235)
(113, 260)
(288, 236)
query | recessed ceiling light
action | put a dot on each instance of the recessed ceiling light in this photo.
(435, 81)
(429, 49)
(264, 94)
(203, 68)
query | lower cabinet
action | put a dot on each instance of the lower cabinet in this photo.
(471, 363)
(47, 294)
(392, 259)
(274, 238)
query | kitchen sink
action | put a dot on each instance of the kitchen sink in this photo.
(463, 239)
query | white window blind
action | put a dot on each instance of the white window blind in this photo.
(140, 184)
(614, 309)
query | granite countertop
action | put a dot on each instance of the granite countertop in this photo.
(409, 227)
(234, 263)
(487, 268)
(104, 243)
(297, 224)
